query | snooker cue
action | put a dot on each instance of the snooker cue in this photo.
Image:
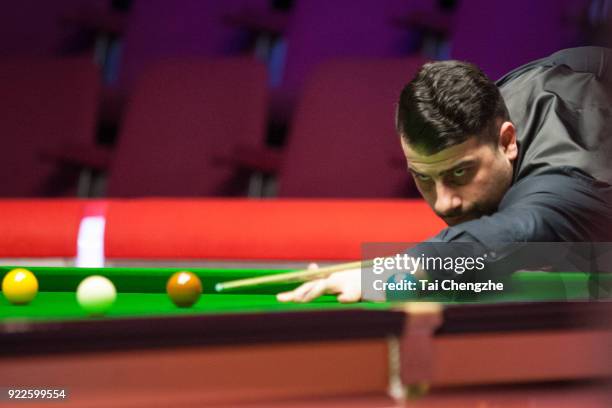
(288, 277)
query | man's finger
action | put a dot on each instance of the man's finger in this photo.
(285, 296)
(317, 289)
(290, 296)
(295, 294)
(304, 292)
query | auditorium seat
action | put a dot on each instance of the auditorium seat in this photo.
(45, 103)
(183, 117)
(320, 30)
(160, 29)
(343, 141)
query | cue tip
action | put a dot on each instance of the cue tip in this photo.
(219, 287)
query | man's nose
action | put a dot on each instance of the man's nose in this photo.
(448, 202)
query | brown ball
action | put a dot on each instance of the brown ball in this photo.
(184, 288)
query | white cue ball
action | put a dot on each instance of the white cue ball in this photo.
(96, 294)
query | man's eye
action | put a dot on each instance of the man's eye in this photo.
(423, 177)
(459, 173)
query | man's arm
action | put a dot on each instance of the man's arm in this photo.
(560, 205)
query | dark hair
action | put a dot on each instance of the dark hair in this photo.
(446, 103)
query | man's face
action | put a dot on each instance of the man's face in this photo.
(465, 181)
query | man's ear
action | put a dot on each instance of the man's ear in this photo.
(507, 140)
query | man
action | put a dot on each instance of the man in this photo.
(523, 160)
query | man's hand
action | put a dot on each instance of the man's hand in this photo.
(345, 284)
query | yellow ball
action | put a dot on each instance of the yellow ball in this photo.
(20, 286)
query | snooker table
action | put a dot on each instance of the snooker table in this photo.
(244, 346)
